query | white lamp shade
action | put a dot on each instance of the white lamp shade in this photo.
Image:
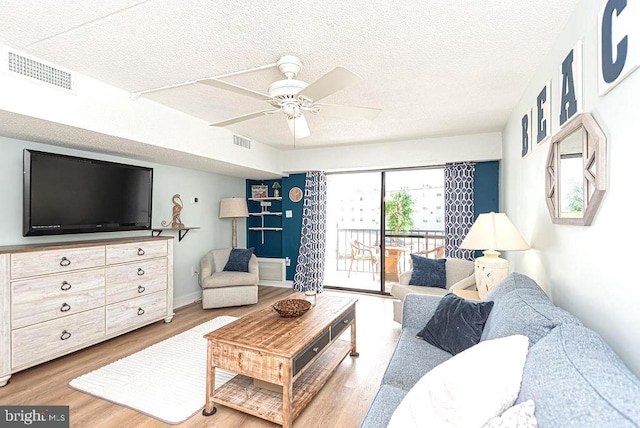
(233, 208)
(494, 231)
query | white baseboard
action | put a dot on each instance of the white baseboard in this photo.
(190, 298)
(279, 284)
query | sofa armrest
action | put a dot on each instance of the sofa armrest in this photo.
(206, 267)
(417, 309)
(468, 282)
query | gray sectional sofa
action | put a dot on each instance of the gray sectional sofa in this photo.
(574, 378)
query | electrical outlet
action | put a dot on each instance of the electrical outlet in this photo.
(287, 261)
(194, 270)
(194, 200)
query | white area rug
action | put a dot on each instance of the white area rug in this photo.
(165, 381)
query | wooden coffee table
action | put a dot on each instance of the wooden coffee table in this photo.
(297, 354)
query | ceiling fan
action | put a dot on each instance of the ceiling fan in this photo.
(293, 98)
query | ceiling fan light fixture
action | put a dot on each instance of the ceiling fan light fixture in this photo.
(299, 127)
(291, 109)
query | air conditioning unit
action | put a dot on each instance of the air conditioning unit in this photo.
(272, 272)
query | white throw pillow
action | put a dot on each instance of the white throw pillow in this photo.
(467, 390)
(519, 416)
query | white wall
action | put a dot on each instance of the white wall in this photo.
(400, 154)
(586, 270)
(209, 188)
(98, 107)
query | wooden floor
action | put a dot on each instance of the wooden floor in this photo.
(341, 403)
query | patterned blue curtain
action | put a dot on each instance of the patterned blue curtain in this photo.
(458, 200)
(309, 274)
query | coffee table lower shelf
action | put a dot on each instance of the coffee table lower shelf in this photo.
(241, 394)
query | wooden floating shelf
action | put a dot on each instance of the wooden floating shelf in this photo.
(269, 198)
(157, 231)
(275, 229)
(265, 213)
(241, 394)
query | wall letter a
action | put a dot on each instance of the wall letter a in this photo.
(568, 101)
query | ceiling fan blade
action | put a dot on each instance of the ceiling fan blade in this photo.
(348, 112)
(235, 88)
(330, 83)
(244, 117)
(299, 127)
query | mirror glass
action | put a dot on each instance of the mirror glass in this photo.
(571, 175)
(575, 175)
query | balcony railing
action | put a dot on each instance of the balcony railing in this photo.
(410, 241)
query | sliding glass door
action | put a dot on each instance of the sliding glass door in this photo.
(375, 220)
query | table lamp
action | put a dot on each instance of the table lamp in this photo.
(233, 208)
(492, 232)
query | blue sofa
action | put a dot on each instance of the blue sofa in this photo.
(574, 378)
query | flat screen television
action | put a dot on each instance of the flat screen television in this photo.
(67, 194)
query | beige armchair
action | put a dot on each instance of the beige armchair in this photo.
(221, 288)
(459, 275)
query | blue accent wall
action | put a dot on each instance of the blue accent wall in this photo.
(278, 244)
(486, 190)
(272, 246)
(292, 226)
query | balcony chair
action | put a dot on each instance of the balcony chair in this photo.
(222, 288)
(437, 252)
(363, 253)
(459, 275)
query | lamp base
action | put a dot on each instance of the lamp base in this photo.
(489, 271)
(234, 233)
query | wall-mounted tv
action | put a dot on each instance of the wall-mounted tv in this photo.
(67, 194)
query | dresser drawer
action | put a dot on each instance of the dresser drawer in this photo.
(135, 279)
(56, 337)
(24, 265)
(310, 352)
(46, 298)
(342, 323)
(130, 252)
(134, 312)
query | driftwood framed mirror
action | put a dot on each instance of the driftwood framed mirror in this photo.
(576, 175)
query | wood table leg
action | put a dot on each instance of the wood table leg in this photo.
(354, 352)
(287, 396)
(209, 408)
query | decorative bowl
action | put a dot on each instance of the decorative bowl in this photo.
(289, 308)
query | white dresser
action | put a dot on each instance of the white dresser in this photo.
(62, 297)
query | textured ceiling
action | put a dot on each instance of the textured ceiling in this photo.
(434, 67)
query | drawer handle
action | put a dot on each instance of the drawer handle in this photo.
(65, 261)
(316, 349)
(65, 335)
(140, 252)
(141, 289)
(140, 311)
(65, 308)
(140, 272)
(345, 321)
(65, 286)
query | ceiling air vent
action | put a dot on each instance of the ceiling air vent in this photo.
(37, 70)
(242, 142)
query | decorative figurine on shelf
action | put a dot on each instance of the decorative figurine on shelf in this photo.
(276, 189)
(176, 223)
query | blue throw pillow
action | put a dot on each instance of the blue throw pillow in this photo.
(456, 324)
(428, 272)
(239, 260)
